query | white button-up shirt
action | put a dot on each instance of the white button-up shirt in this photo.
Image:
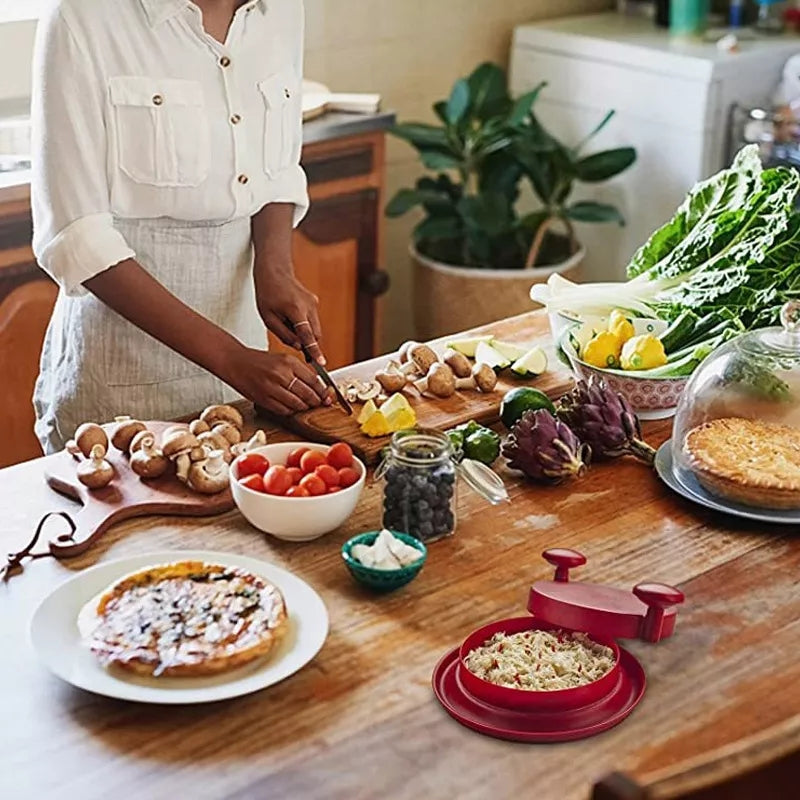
(138, 113)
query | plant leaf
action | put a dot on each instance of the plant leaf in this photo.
(591, 211)
(440, 109)
(458, 102)
(489, 91)
(605, 164)
(406, 199)
(490, 213)
(436, 228)
(600, 125)
(421, 135)
(439, 159)
(523, 105)
(532, 222)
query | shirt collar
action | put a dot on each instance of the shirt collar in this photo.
(161, 10)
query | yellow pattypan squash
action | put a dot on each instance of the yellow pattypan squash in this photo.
(643, 352)
(621, 326)
(602, 350)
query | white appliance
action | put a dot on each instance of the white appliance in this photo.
(672, 97)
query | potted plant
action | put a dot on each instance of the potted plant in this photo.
(476, 254)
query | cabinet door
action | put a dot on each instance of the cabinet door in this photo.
(24, 315)
(330, 271)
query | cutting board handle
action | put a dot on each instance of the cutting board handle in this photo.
(85, 526)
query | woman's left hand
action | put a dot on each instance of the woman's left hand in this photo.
(290, 311)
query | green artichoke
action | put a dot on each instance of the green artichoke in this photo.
(545, 449)
(604, 420)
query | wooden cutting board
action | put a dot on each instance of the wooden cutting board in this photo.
(333, 424)
(125, 497)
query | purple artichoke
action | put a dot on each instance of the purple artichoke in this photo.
(604, 420)
(545, 449)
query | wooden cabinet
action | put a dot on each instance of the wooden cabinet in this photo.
(336, 253)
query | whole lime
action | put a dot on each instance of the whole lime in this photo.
(522, 399)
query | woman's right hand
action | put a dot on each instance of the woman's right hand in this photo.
(277, 382)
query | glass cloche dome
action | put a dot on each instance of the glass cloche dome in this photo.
(737, 426)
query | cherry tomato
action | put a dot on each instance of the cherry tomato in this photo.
(298, 491)
(311, 460)
(277, 480)
(254, 482)
(348, 476)
(333, 489)
(251, 464)
(340, 455)
(313, 484)
(295, 456)
(296, 474)
(328, 474)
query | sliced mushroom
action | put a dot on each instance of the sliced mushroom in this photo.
(258, 439)
(88, 435)
(229, 431)
(369, 391)
(391, 378)
(222, 413)
(136, 442)
(147, 461)
(439, 381)
(421, 359)
(483, 378)
(458, 362)
(198, 426)
(95, 472)
(126, 429)
(210, 475)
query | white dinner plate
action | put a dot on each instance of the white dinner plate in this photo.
(57, 642)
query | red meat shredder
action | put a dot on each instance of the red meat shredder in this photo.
(604, 614)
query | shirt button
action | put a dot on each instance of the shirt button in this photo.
(235, 119)
(157, 99)
(224, 61)
(287, 93)
(243, 179)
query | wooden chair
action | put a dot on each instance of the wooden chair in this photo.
(724, 779)
(24, 314)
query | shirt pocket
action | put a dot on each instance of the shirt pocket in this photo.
(282, 121)
(160, 130)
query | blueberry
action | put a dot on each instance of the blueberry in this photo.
(426, 530)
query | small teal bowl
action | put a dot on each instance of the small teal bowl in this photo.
(382, 580)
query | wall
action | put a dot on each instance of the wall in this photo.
(410, 51)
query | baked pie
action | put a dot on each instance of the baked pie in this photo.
(188, 618)
(748, 461)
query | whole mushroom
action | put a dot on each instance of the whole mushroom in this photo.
(458, 362)
(88, 435)
(210, 475)
(420, 359)
(228, 431)
(402, 353)
(483, 378)
(258, 439)
(440, 381)
(198, 426)
(391, 378)
(126, 429)
(222, 413)
(95, 472)
(147, 461)
(177, 447)
(216, 441)
(136, 442)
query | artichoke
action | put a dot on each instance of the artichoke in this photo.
(604, 420)
(545, 449)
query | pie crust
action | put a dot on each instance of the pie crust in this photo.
(188, 618)
(748, 461)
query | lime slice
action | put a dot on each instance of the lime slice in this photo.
(533, 363)
(513, 352)
(486, 354)
(467, 347)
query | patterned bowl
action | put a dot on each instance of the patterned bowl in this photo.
(650, 398)
(383, 580)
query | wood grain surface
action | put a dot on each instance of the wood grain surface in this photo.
(332, 424)
(126, 496)
(361, 722)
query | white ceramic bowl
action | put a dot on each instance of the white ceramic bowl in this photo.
(295, 519)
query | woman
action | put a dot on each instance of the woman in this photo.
(166, 183)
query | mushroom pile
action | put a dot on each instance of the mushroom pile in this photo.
(199, 452)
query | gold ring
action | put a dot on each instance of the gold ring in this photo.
(291, 383)
(304, 322)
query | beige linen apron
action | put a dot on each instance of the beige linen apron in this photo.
(96, 365)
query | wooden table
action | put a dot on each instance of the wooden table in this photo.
(361, 721)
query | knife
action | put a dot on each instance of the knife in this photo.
(327, 380)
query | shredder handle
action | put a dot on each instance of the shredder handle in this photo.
(563, 559)
(658, 597)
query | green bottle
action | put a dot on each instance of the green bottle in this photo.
(687, 17)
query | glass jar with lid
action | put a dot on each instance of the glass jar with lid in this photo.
(420, 472)
(738, 420)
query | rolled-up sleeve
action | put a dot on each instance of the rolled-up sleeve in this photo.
(73, 234)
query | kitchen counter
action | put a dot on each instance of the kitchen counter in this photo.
(360, 721)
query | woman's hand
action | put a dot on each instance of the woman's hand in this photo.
(278, 382)
(289, 310)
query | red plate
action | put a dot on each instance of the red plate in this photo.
(539, 726)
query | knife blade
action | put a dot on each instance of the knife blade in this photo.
(328, 381)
